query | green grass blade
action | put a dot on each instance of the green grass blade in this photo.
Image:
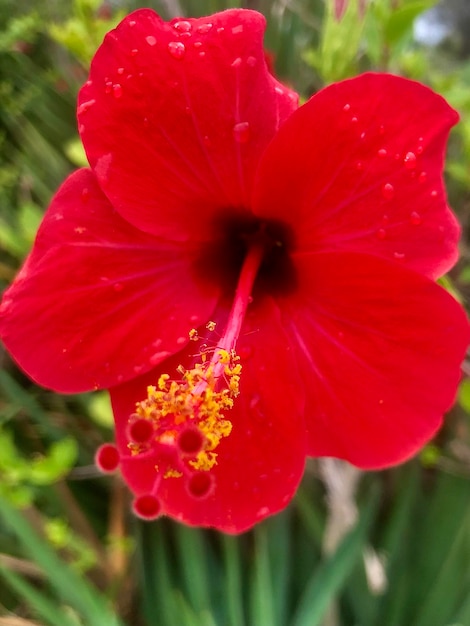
(330, 576)
(193, 549)
(261, 589)
(280, 536)
(69, 586)
(37, 601)
(233, 580)
(156, 581)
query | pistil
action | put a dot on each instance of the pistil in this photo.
(182, 422)
(227, 345)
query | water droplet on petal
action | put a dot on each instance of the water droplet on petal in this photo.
(381, 233)
(134, 51)
(237, 62)
(120, 70)
(415, 218)
(236, 30)
(245, 352)
(108, 87)
(151, 40)
(202, 54)
(197, 44)
(220, 30)
(399, 255)
(388, 191)
(382, 153)
(177, 49)
(118, 287)
(354, 120)
(85, 106)
(85, 194)
(181, 340)
(359, 166)
(422, 177)
(346, 108)
(410, 160)
(254, 402)
(182, 26)
(381, 129)
(251, 61)
(158, 357)
(419, 150)
(204, 28)
(132, 23)
(117, 91)
(433, 193)
(241, 132)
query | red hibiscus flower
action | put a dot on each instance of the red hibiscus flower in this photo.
(253, 283)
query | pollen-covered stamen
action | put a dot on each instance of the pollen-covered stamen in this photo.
(182, 421)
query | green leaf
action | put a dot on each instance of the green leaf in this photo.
(464, 395)
(60, 458)
(400, 22)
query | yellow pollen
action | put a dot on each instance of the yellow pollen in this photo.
(172, 473)
(199, 400)
(193, 335)
(211, 326)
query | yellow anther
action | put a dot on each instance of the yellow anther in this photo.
(162, 381)
(211, 326)
(172, 473)
(193, 335)
(224, 356)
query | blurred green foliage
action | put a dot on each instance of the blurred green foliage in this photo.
(69, 553)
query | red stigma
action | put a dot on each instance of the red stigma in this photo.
(107, 458)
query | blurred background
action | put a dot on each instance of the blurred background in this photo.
(389, 548)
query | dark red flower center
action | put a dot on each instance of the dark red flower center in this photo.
(233, 236)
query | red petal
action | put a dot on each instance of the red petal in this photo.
(176, 115)
(380, 350)
(261, 462)
(359, 167)
(99, 302)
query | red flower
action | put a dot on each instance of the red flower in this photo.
(300, 245)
